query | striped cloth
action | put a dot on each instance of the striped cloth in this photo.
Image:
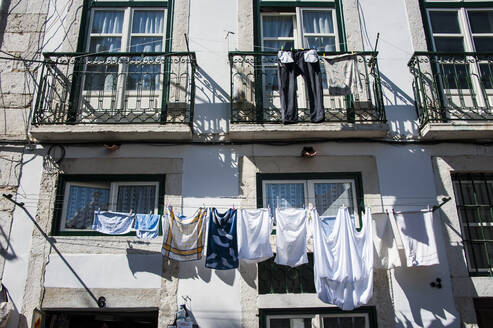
(183, 236)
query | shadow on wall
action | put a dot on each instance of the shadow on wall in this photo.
(6, 250)
(197, 270)
(212, 104)
(150, 262)
(399, 108)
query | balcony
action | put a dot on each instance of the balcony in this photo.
(117, 96)
(256, 109)
(453, 94)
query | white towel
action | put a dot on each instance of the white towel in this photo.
(342, 75)
(343, 261)
(291, 236)
(418, 237)
(254, 229)
(387, 242)
(113, 223)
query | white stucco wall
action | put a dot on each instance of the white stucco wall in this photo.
(16, 268)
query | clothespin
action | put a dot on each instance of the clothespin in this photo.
(282, 47)
(131, 210)
(233, 206)
(428, 208)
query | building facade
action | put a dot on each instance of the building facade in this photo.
(137, 105)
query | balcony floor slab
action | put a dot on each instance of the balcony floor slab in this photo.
(458, 130)
(111, 132)
(301, 131)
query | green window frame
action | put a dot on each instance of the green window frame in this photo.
(110, 184)
(325, 317)
(261, 6)
(474, 200)
(430, 5)
(84, 32)
(355, 177)
(279, 279)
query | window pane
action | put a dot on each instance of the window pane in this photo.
(146, 44)
(143, 77)
(81, 204)
(102, 44)
(483, 44)
(278, 45)
(107, 21)
(449, 44)
(444, 22)
(329, 197)
(318, 22)
(279, 323)
(148, 22)
(277, 26)
(481, 21)
(320, 43)
(101, 77)
(139, 199)
(486, 77)
(285, 195)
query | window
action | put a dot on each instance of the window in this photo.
(303, 28)
(467, 80)
(474, 198)
(135, 318)
(79, 196)
(297, 26)
(364, 317)
(327, 192)
(122, 83)
(484, 311)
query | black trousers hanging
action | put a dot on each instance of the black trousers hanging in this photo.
(287, 74)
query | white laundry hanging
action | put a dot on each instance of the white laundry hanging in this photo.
(254, 230)
(291, 236)
(343, 260)
(418, 237)
(386, 241)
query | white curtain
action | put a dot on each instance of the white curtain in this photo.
(148, 22)
(141, 199)
(107, 22)
(285, 195)
(319, 22)
(277, 26)
(329, 197)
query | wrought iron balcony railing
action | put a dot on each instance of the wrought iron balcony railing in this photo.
(452, 87)
(255, 91)
(78, 88)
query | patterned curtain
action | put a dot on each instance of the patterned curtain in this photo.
(139, 199)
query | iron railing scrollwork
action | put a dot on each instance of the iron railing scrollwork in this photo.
(109, 88)
(255, 96)
(452, 86)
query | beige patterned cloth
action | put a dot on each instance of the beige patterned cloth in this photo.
(183, 236)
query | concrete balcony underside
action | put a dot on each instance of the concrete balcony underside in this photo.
(458, 130)
(111, 132)
(302, 131)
